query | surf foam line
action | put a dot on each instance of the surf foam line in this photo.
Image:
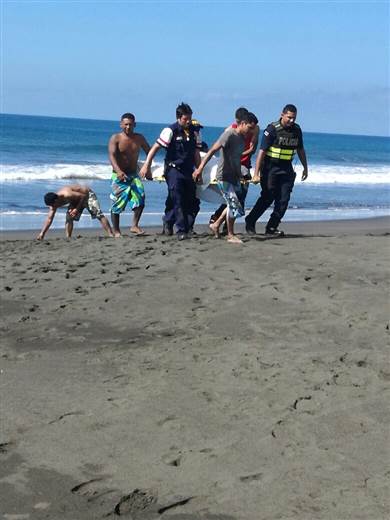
(35, 221)
(318, 174)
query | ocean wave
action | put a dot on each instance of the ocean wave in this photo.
(321, 174)
(49, 172)
(318, 174)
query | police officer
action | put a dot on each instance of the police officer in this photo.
(274, 170)
(182, 143)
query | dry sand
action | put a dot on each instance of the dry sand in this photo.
(155, 379)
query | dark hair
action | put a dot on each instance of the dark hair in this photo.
(252, 118)
(50, 198)
(244, 118)
(289, 108)
(128, 115)
(183, 110)
(240, 112)
(204, 147)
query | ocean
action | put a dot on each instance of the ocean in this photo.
(348, 174)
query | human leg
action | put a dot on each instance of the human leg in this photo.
(168, 218)
(93, 206)
(120, 193)
(115, 224)
(231, 237)
(194, 213)
(176, 185)
(214, 226)
(283, 189)
(232, 195)
(70, 219)
(68, 228)
(137, 203)
(106, 226)
(262, 204)
(217, 213)
(137, 212)
(191, 203)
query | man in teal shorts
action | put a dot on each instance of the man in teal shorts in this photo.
(126, 185)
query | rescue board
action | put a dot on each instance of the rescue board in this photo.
(208, 191)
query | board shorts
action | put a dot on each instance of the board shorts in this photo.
(91, 205)
(130, 191)
(232, 196)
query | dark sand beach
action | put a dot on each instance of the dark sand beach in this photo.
(147, 378)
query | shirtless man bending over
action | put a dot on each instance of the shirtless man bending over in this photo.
(126, 185)
(77, 198)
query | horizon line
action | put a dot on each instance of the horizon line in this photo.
(158, 123)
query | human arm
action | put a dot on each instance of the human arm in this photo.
(267, 140)
(112, 148)
(145, 170)
(47, 224)
(146, 148)
(197, 158)
(197, 175)
(78, 196)
(302, 157)
(253, 144)
(259, 164)
(145, 145)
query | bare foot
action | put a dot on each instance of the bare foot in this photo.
(233, 239)
(215, 229)
(117, 235)
(137, 230)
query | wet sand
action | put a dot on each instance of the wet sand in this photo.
(152, 379)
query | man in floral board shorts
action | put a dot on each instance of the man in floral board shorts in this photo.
(231, 144)
(126, 185)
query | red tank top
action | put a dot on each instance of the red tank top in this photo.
(245, 159)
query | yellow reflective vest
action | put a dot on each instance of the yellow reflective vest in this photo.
(286, 143)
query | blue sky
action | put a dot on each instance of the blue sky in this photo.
(98, 59)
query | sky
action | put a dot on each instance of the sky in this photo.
(98, 59)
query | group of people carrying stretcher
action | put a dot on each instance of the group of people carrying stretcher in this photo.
(186, 157)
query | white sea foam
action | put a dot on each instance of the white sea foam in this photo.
(48, 172)
(325, 174)
(318, 174)
(10, 220)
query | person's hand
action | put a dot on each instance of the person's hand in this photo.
(256, 178)
(148, 175)
(145, 173)
(304, 174)
(197, 176)
(121, 176)
(251, 148)
(73, 212)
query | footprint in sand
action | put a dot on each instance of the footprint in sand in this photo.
(137, 501)
(172, 460)
(92, 490)
(251, 478)
(61, 417)
(5, 447)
